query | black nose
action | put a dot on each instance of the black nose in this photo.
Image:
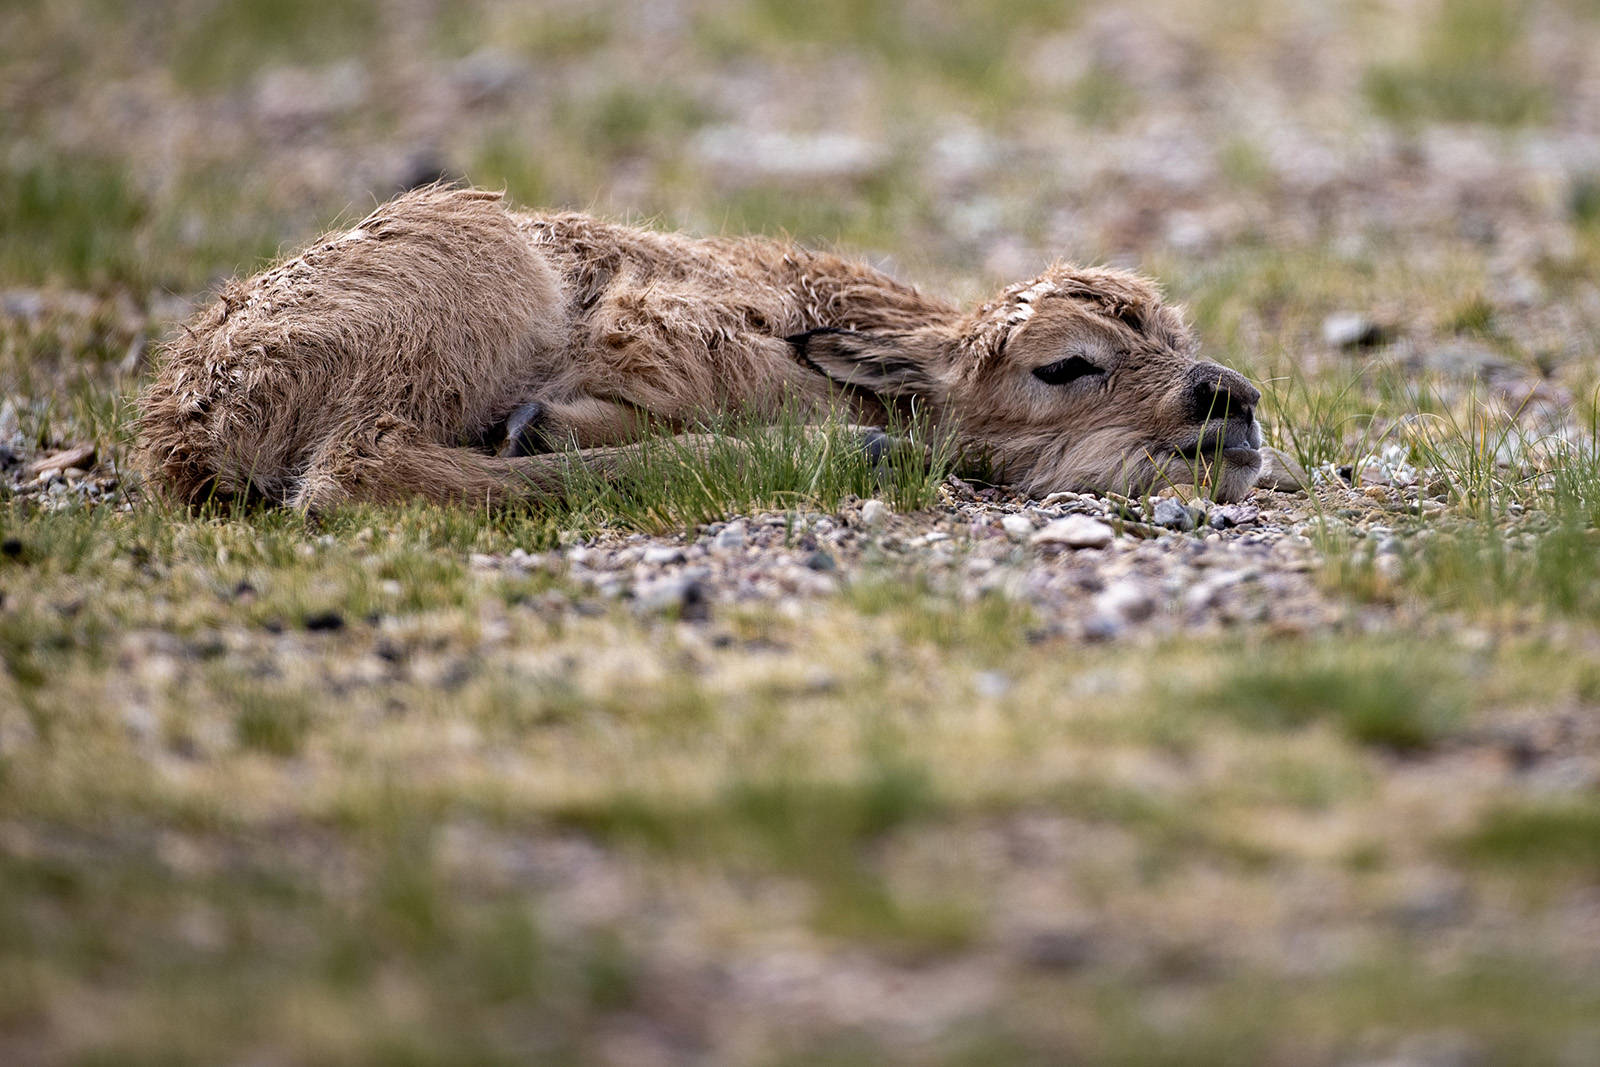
(1217, 393)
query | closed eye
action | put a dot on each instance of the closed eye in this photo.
(1066, 370)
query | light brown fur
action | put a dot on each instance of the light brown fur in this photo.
(366, 366)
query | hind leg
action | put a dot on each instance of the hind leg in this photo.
(390, 461)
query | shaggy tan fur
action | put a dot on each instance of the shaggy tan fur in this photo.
(366, 366)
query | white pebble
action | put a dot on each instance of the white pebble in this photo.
(873, 512)
(1075, 531)
(1017, 527)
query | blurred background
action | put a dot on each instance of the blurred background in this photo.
(1445, 150)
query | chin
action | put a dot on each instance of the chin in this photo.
(1236, 480)
(1228, 478)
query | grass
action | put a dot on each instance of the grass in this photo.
(1391, 700)
(70, 220)
(1552, 838)
(757, 467)
(1467, 69)
(346, 791)
(230, 40)
(350, 739)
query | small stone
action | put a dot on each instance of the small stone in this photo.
(687, 596)
(81, 456)
(660, 555)
(1350, 329)
(1126, 600)
(992, 684)
(873, 512)
(1098, 627)
(820, 560)
(1225, 516)
(730, 538)
(1075, 531)
(1281, 473)
(489, 74)
(324, 622)
(1017, 527)
(1059, 949)
(22, 303)
(1174, 515)
(1464, 361)
(1431, 905)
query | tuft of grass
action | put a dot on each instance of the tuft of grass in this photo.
(69, 219)
(1468, 69)
(750, 467)
(969, 47)
(229, 40)
(1550, 838)
(271, 722)
(1102, 98)
(819, 831)
(1525, 532)
(922, 614)
(1388, 699)
(628, 120)
(1318, 422)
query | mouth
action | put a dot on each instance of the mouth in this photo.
(1228, 471)
(1240, 456)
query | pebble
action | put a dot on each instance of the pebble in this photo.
(873, 512)
(685, 595)
(1016, 526)
(81, 456)
(992, 683)
(820, 561)
(659, 555)
(324, 622)
(1282, 473)
(1059, 949)
(1350, 329)
(1128, 600)
(1075, 531)
(730, 538)
(1174, 515)
(1225, 516)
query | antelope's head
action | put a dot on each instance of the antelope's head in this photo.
(1079, 379)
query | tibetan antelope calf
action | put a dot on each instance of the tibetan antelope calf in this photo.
(375, 364)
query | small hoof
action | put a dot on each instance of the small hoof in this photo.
(523, 436)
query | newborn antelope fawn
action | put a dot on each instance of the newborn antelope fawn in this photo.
(383, 361)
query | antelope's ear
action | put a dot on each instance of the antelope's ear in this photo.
(890, 365)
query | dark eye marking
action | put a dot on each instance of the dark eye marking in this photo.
(1066, 370)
